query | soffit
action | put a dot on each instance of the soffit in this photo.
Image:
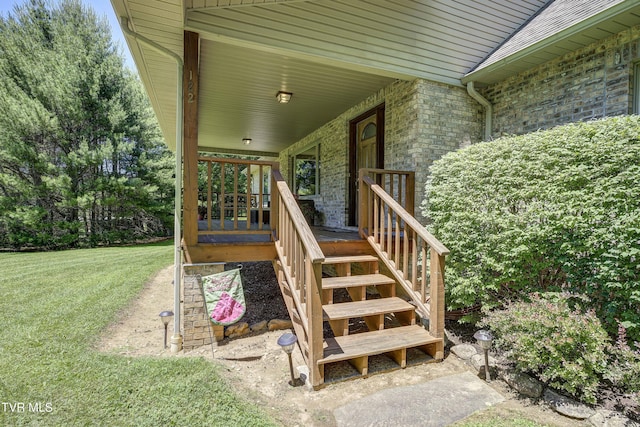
(330, 53)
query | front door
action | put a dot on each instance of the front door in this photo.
(366, 150)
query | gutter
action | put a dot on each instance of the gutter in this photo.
(176, 338)
(488, 109)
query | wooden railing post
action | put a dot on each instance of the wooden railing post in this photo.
(363, 208)
(410, 196)
(314, 316)
(275, 202)
(436, 301)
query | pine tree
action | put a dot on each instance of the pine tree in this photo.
(81, 156)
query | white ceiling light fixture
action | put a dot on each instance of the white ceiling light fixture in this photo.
(246, 141)
(284, 97)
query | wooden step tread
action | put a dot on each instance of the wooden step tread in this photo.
(359, 280)
(375, 342)
(350, 258)
(372, 307)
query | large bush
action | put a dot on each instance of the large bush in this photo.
(548, 211)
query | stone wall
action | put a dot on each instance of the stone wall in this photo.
(423, 121)
(197, 329)
(590, 83)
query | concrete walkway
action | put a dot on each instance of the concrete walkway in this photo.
(438, 402)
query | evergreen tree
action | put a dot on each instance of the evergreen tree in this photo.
(81, 156)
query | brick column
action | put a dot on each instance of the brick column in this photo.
(195, 322)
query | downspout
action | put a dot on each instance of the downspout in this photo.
(176, 338)
(488, 109)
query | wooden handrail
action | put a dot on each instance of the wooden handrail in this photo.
(404, 245)
(407, 218)
(300, 259)
(312, 248)
(234, 161)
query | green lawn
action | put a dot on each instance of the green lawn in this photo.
(53, 307)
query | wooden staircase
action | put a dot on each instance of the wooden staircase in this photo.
(390, 321)
(360, 293)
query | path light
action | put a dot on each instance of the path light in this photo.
(484, 339)
(288, 342)
(166, 316)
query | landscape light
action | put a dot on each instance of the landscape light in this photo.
(165, 316)
(288, 342)
(484, 339)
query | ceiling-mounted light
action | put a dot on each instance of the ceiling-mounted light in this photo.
(246, 141)
(284, 97)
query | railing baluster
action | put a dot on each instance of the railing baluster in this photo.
(209, 193)
(389, 231)
(423, 278)
(397, 240)
(223, 167)
(414, 261)
(235, 196)
(376, 217)
(260, 197)
(248, 202)
(405, 252)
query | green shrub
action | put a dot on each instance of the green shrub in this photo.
(555, 210)
(624, 369)
(564, 347)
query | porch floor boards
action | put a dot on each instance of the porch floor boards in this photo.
(254, 235)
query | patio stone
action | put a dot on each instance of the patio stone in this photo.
(524, 384)
(464, 351)
(567, 407)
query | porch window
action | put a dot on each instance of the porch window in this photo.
(305, 171)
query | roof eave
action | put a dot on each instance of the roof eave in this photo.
(482, 75)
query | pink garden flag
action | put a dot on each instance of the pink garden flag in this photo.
(224, 297)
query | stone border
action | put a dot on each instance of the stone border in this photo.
(531, 387)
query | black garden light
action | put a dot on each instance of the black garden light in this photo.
(166, 316)
(484, 339)
(288, 342)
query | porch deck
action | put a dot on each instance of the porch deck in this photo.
(255, 234)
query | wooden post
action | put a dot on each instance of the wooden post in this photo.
(275, 203)
(410, 195)
(364, 208)
(313, 275)
(436, 303)
(190, 148)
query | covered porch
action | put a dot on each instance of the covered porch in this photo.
(237, 142)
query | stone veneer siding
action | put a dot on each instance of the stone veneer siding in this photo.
(423, 121)
(592, 82)
(197, 329)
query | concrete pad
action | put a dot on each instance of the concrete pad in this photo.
(438, 402)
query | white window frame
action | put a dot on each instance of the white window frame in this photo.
(293, 158)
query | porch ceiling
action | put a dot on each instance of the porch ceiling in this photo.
(330, 54)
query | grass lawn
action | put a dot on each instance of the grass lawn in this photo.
(54, 306)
